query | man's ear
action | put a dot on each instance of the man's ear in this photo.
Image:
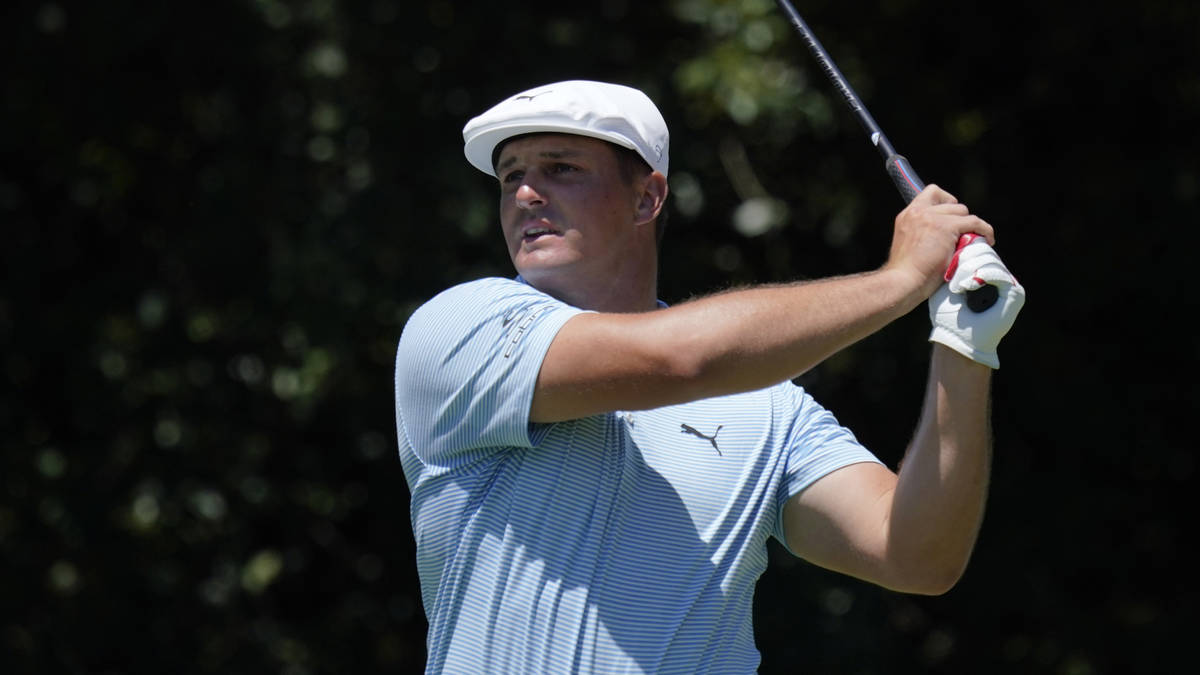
(652, 194)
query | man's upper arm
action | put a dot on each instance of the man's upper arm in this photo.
(466, 368)
(598, 363)
(840, 522)
(834, 497)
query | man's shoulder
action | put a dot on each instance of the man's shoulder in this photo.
(491, 305)
(472, 295)
(484, 287)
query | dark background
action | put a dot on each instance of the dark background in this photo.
(217, 217)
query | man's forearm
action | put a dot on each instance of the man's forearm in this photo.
(764, 335)
(722, 344)
(939, 501)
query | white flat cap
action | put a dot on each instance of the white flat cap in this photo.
(610, 112)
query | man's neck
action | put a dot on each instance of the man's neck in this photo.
(618, 293)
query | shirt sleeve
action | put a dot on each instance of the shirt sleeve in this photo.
(817, 445)
(466, 368)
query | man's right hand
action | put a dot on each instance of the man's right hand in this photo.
(926, 234)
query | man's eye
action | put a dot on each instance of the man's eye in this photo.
(513, 176)
(563, 168)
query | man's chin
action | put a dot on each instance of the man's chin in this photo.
(540, 274)
(550, 279)
(544, 267)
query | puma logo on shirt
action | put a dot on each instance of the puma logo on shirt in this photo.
(685, 429)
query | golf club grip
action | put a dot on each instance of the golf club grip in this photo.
(909, 185)
(906, 180)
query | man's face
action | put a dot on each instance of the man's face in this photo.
(565, 207)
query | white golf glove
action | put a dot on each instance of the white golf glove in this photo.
(975, 334)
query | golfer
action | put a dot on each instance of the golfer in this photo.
(595, 475)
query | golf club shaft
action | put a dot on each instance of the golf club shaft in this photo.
(906, 180)
(898, 168)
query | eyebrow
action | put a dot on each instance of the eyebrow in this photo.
(545, 154)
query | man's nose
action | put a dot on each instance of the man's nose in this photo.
(528, 197)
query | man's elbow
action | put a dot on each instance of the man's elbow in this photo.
(931, 576)
(935, 585)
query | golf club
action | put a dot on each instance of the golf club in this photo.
(901, 172)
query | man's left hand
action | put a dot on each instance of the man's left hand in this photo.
(975, 334)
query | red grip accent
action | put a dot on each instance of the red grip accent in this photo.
(962, 242)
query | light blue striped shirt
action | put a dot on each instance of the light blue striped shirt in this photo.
(629, 542)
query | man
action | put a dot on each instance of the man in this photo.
(595, 475)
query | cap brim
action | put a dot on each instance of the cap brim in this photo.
(480, 146)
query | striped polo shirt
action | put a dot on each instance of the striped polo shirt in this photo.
(628, 542)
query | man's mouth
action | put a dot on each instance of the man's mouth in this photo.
(534, 232)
